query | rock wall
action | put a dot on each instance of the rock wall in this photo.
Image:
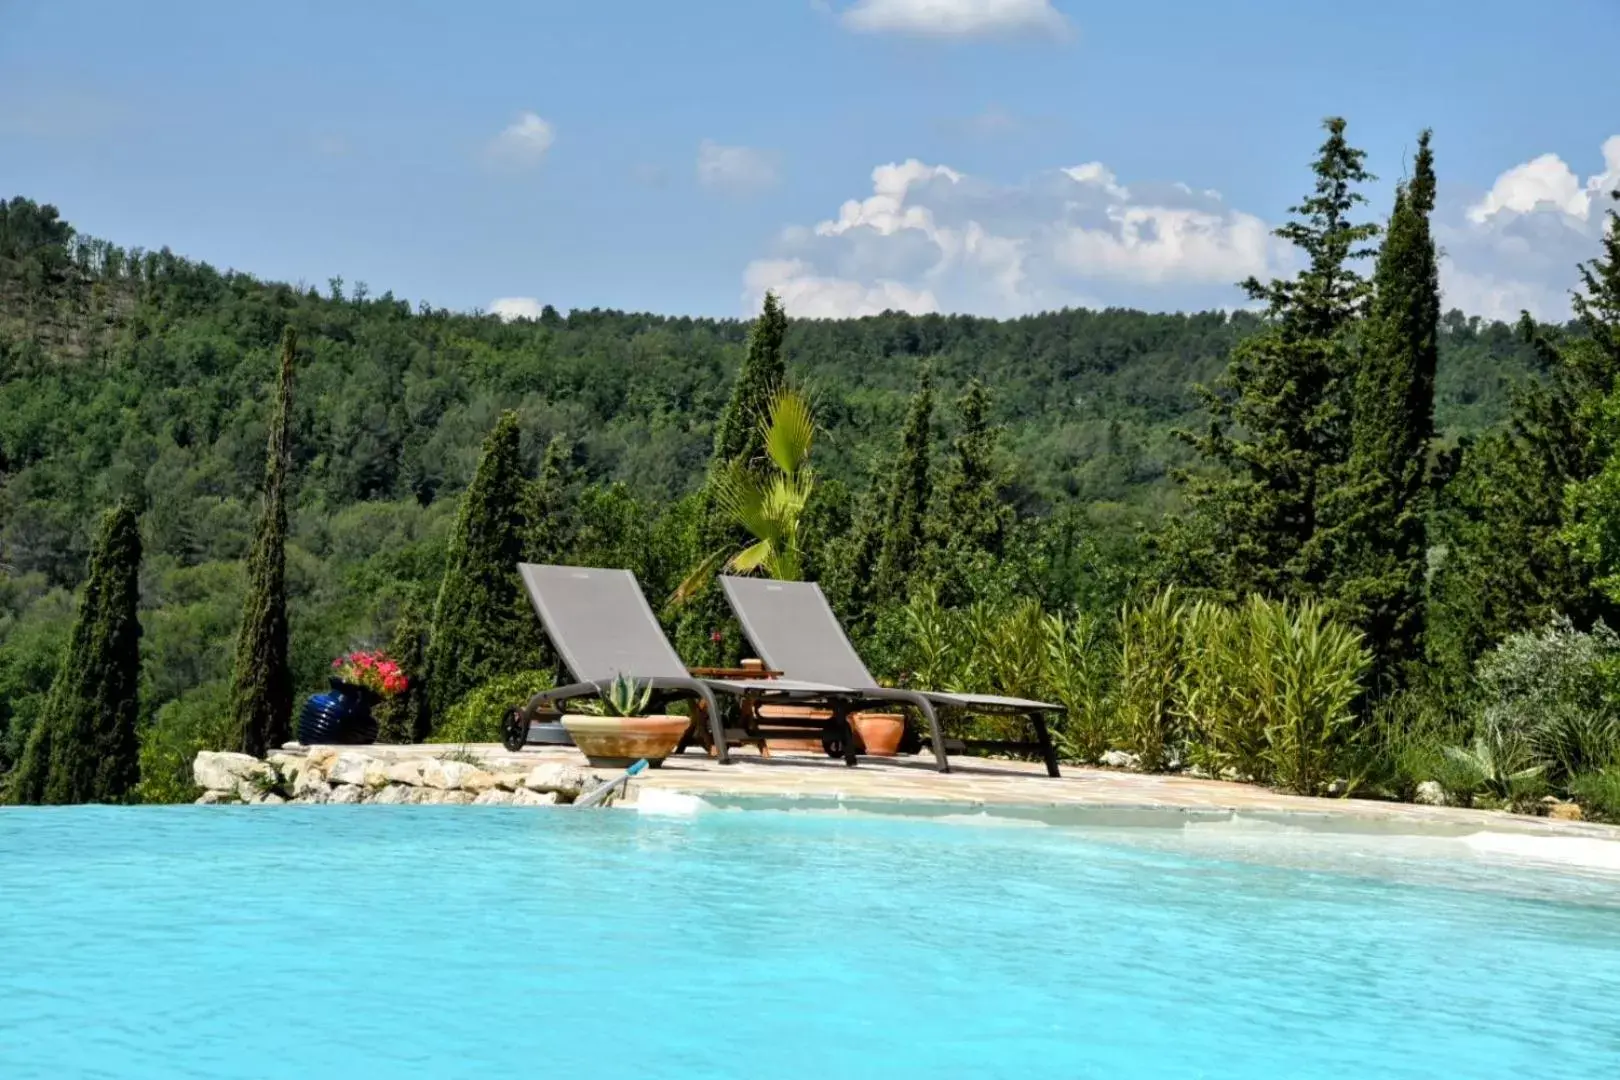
(332, 775)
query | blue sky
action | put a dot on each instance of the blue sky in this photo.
(991, 156)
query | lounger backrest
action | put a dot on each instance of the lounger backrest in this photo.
(795, 631)
(601, 623)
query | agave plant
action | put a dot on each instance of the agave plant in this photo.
(1498, 762)
(770, 507)
(626, 697)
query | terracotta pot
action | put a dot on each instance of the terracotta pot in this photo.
(880, 732)
(775, 712)
(617, 742)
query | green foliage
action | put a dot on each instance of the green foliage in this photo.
(1599, 794)
(770, 505)
(199, 719)
(1554, 691)
(1078, 673)
(626, 696)
(975, 521)
(403, 718)
(482, 625)
(1316, 666)
(84, 746)
(1375, 537)
(906, 502)
(1278, 426)
(1149, 670)
(261, 689)
(476, 718)
(1498, 764)
(739, 446)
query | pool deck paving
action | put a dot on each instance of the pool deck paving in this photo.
(995, 785)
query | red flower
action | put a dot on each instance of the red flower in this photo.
(715, 636)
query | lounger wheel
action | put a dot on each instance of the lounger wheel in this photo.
(833, 744)
(514, 730)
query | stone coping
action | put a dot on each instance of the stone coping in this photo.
(980, 783)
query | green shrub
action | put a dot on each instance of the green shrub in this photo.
(1599, 794)
(199, 719)
(1498, 765)
(1312, 673)
(1149, 668)
(1077, 675)
(476, 718)
(1227, 686)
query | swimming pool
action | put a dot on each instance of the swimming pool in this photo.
(449, 941)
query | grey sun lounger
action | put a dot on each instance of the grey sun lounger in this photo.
(794, 630)
(603, 627)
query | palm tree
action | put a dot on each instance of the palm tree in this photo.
(769, 506)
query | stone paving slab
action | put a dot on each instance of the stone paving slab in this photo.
(995, 783)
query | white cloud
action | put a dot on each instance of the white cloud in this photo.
(930, 237)
(508, 308)
(1516, 247)
(523, 142)
(808, 295)
(737, 169)
(956, 18)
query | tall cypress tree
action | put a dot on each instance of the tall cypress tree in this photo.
(1278, 415)
(261, 698)
(1376, 544)
(84, 748)
(970, 533)
(403, 717)
(482, 623)
(905, 517)
(736, 439)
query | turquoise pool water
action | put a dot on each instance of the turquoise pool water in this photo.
(446, 941)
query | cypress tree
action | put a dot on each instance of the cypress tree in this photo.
(905, 518)
(551, 505)
(403, 718)
(1377, 543)
(971, 533)
(736, 439)
(1278, 418)
(84, 747)
(261, 696)
(482, 623)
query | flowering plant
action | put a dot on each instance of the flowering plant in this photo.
(373, 670)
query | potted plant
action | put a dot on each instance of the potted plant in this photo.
(621, 735)
(343, 713)
(879, 732)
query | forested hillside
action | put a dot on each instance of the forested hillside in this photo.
(126, 373)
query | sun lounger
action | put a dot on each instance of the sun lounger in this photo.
(603, 627)
(794, 630)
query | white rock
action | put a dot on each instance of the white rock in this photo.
(493, 797)
(446, 775)
(270, 798)
(509, 781)
(209, 798)
(376, 775)
(525, 797)
(320, 759)
(348, 768)
(1430, 793)
(393, 795)
(408, 771)
(458, 798)
(288, 765)
(311, 783)
(556, 776)
(1338, 788)
(347, 793)
(221, 771)
(478, 781)
(1120, 759)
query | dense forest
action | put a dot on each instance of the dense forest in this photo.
(1073, 461)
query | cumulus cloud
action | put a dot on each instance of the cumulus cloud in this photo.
(524, 142)
(508, 308)
(740, 170)
(955, 18)
(930, 237)
(1516, 247)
